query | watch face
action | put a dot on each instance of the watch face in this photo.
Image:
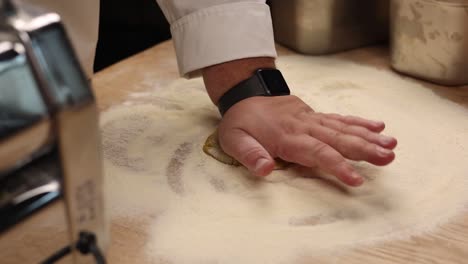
(274, 81)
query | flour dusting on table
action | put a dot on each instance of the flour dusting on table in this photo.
(209, 212)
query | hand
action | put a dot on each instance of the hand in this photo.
(259, 129)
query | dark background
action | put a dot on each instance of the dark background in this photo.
(127, 27)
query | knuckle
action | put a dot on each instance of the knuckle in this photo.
(306, 109)
(359, 131)
(370, 148)
(291, 127)
(304, 113)
(338, 138)
(251, 154)
(343, 128)
(334, 116)
(322, 121)
(319, 149)
(357, 149)
(319, 120)
(368, 134)
(362, 143)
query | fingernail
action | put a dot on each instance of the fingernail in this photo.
(355, 175)
(386, 140)
(379, 123)
(358, 180)
(260, 164)
(383, 152)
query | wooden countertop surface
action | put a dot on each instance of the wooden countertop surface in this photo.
(447, 244)
(157, 66)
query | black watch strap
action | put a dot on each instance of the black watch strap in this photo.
(265, 82)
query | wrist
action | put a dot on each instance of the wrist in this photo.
(222, 77)
(264, 82)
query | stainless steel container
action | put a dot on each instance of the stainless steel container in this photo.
(49, 139)
(429, 39)
(326, 26)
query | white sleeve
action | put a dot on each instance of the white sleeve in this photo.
(209, 32)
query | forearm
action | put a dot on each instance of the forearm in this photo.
(220, 78)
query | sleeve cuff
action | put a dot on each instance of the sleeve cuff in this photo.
(222, 33)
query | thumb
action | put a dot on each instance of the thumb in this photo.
(247, 150)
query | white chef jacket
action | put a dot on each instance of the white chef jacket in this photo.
(204, 32)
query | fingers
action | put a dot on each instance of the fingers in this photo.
(360, 131)
(287, 128)
(311, 152)
(245, 149)
(376, 126)
(352, 147)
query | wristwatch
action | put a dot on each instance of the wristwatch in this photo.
(265, 82)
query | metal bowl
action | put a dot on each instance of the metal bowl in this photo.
(326, 26)
(429, 39)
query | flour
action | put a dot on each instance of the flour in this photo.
(207, 212)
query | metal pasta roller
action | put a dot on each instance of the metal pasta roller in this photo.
(49, 135)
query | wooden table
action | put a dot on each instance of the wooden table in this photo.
(447, 244)
(157, 66)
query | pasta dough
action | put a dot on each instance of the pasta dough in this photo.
(213, 149)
